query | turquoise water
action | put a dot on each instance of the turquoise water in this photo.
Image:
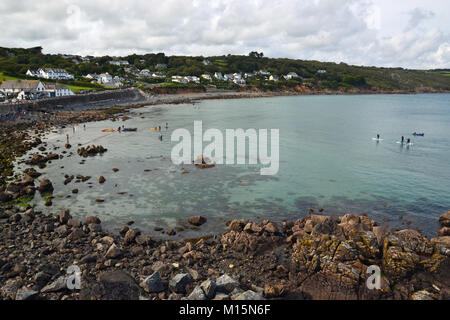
(327, 160)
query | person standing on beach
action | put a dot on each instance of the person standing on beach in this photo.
(67, 136)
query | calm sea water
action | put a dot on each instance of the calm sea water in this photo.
(327, 160)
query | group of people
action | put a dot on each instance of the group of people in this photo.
(408, 141)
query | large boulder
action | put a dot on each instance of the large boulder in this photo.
(197, 220)
(444, 219)
(45, 186)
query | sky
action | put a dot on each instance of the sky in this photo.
(388, 33)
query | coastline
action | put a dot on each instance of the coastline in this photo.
(317, 257)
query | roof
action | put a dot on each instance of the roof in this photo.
(55, 86)
(54, 70)
(20, 84)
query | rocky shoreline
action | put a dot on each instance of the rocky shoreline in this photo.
(316, 257)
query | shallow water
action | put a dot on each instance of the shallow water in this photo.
(327, 160)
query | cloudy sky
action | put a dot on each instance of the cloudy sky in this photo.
(404, 33)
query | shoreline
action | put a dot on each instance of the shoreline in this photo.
(316, 257)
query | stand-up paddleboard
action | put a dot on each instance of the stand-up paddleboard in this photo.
(376, 139)
(405, 143)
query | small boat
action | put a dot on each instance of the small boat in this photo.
(129, 129)
(108, 130)
(418, 134)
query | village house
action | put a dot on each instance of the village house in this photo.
(206, 77)
(92, 76)
(321, 71)
(57, 90)
(105, 78)
(193, 79)
(291, 75)
(207, 62)
(239, 81)
(145, 73)
(263, 73)
(32, 73)
(119, 63)
(179, 79)
(273, 78)
(218, 76)
(158, 75)
(12, 87)
(161, 66)
(55, 74)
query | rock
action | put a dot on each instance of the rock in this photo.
(115, 170)
(197, 294)
(101, 179)
(93, 227)
(76, 234)
(444, 219)
(381, 232)
(26, 294)
(123, 230)
(74, 223)
(209, 288)
(171, 232)
(45, 186)
(153, 284)
(62, 230)
(226, 284)
(90, 258)
(445, 231)
(64, 216)
(108, 240)
(112, 285)
(221, 297)
(273, 291)
(131, 235)
(250, 295)
(197, 221)
(179, 282)
(114, 252)
(92, 220)
(422, 295)
(5, 197)
(55, 286)
(271, 227)
(143, 239)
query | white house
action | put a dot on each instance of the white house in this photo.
(264, 73)
(32, 73)
(158, 75)
(218, 76)
(193, 79)
(179, 79)
(161, 66)
(105, 78)
(16, 86)
(321, 71)
(273, 78)
(206, 77)
(239, 81)
(145, 73)
(55, 74)
(291, 75)
(57, 90)
(206, 62)
(119, 63)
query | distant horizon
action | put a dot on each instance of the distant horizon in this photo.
(409, 34)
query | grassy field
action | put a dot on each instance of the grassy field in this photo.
(74, 88)
(2, 76)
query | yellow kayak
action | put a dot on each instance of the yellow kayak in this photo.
(108, 130)
(154, 129)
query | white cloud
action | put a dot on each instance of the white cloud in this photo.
(354, 31)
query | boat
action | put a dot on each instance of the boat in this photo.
(129, 129)
(418, 134)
